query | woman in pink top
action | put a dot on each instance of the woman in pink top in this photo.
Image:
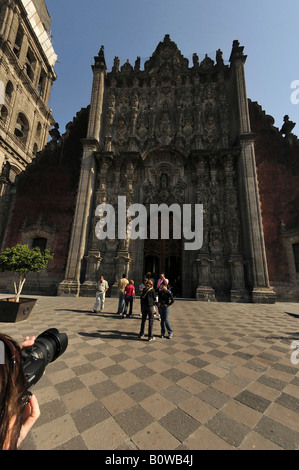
(129, 297)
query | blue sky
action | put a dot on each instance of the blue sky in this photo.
(268, 30)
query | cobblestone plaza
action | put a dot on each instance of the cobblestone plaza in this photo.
(228, 379)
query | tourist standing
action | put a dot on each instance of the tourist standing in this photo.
(161, 281)
(102, 288)
(122, 283)
(141, 287)
(165, 301)
(129, 298)
(148, 298)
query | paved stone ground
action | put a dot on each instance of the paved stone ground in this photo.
(226, 380)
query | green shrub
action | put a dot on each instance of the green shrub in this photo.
(20, 260)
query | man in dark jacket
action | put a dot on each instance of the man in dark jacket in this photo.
(148, 297)
(165, 300)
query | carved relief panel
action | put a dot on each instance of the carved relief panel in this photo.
(167, 103)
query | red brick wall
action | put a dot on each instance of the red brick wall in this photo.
(278, 176)
(49, 187)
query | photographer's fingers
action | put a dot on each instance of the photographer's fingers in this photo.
(28, 341)
(30, 415)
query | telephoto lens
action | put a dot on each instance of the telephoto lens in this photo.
(47, 347)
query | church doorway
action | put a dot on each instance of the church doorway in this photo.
(164, 256)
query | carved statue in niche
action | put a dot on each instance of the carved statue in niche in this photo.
(210, 134)
(142, 119)
(164, 181)
(135, 101)
(152, 112)
(188, 93)
(110, 114)
(233, 237)
(180, 117)
(162, 185)
(134, 113)
(188, 125)
(165, 130)
(232, 221)
(124, 101)
(122, 128)
(209, 98)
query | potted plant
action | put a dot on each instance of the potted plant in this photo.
(20, 260)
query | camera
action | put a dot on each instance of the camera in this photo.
(47, 347)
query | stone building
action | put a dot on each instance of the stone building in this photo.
(27, 61)
(167, 133)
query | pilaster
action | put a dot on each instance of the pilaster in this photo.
(82, 219)
(71, 284)
(252, 228)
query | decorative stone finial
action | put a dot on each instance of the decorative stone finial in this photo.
(100, 59)
(287, 127)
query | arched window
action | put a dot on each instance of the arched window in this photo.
(35, 149)
(38, 129)
(9, 91)
(30, 64)
(22, 127)
(18, 41)
(41, 83)
(3, 113)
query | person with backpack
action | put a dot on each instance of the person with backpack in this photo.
(165, 300)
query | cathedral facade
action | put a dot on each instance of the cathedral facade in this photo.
(176, 134)
(172, 134)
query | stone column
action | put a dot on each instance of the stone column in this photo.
(252, 228)
(204, 289)
(238, 291)
(93, 258)
(82, 218)
(123, 258)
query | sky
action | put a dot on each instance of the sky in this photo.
(268, 30)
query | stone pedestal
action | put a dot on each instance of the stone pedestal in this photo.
(238, 291)
(204, 291)
(263, 295)
(69, 288)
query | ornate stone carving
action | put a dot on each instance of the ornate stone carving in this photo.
(165, 103)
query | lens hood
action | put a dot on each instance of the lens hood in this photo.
(60, 339)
